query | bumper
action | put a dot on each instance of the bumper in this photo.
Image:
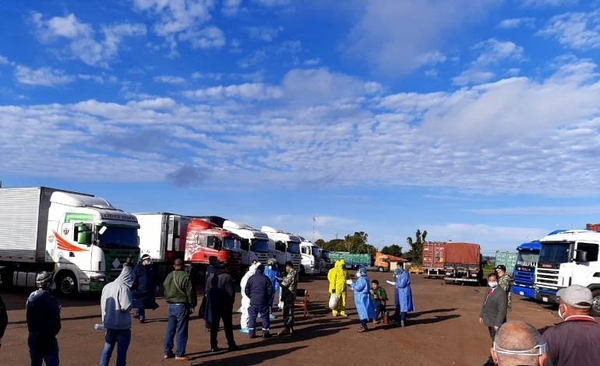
(546, 297)
(524, 291)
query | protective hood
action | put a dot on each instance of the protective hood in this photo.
(340, 264)
(126, 276)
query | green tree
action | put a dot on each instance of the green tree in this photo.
(393, 249)
(415, 254)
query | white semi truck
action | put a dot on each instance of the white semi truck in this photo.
(82, 238)
(287, 246)
(312, 261)
(254, 243)
(568, 258)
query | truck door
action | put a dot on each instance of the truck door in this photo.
(584, 264)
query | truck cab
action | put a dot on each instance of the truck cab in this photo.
(311, 258)
(287, 246)
(568, 258)
(254, 243)
(524, 273)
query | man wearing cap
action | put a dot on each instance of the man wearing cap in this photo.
(220, 291)
(576, 340)
(505, 282)
(43, 322)
(144, 284)
(518, 344)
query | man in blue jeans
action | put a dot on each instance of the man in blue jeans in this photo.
(181, 297)
(116, 303)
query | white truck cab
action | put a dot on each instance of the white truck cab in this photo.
(287, 246)
(254, 243)
(311, 258)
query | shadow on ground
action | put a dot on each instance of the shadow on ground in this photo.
(249, 358)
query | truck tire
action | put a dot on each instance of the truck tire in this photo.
(302, 270)
(595, 311)
(66, 283)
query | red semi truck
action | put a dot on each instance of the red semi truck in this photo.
(463, 263)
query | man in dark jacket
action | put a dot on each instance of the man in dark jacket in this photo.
(43, 322)
(493, 311)
(181, 297)
(3, 319)
(259, 290)
(221, 296)
(144, 284)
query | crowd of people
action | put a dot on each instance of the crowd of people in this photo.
(513, 343)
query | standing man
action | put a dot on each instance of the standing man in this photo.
(574, 341)
(144, 285)
(115, 304)
(403, 295)
(181, 297)
(3, 319)
(43, 322)
(221, 296)
(505, 282)
(288, 296)
(259, 290)
(337, 277)
(493, 311)
(518, 343)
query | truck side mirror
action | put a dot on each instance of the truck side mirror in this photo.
(581, 256)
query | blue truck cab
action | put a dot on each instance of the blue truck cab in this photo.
(524, 273)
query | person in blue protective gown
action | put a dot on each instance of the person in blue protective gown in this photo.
(362, 298)
(403, 294)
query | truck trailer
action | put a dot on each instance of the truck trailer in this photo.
(507, 259)
(463, 263)
(353, 260)
(82, 238)
(434, 254)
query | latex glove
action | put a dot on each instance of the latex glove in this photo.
(349, 282)
(391, 283)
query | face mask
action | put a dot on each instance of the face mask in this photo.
(358, 274)
(560, 314)
(493, 284)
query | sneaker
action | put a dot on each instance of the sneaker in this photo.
(235, 347)
(244, 330)
(362, 330)
(343, 314)
(182, 358)
(266, 335)
(272, 317)
(168, 356)
(251, 335)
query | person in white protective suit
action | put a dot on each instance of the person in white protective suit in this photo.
(245, 308)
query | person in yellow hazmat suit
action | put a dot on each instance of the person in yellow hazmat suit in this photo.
(337, 277)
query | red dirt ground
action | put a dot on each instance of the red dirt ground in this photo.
(443, 331)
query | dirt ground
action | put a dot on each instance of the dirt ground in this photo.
(443, 331)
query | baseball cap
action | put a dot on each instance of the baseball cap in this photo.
(502, 267)
(576, 296)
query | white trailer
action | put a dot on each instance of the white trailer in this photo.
(162, 236)
(83, 239)
(254, 243)
(287, 246)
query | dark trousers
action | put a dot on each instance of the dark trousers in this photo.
(264, 311)
(218, 314)
(288, 313)
(43, 349)
(492, 331)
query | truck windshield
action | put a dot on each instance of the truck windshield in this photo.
(528, 258)
(293, 247)
(316, 252)
(118, 237)
(231, 244)
(260, 245)
(554, 253)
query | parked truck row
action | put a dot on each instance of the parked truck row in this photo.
(85, 240)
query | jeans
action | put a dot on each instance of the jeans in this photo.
(179, 315)
(38, 357)
(119, 337)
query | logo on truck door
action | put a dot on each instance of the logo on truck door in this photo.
(63, 244)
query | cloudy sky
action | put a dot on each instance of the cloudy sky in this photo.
(474, 120)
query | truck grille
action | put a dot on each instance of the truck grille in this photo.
(547, 278)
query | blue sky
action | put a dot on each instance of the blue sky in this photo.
(474, 120)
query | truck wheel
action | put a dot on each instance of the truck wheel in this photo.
(66, 283)
(595, 311)
(302, 270)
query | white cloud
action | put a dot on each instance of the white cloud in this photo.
(81, 38)
(396, 36)
(4, 60)
(231, 8)
(270, 3)
(491, 52)
(94, 78)
(267, 34)
(243, 91)
(44, 76)
(575, 30)
(516, 23)
(472, 76)
(169, 79)
(184, 20)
